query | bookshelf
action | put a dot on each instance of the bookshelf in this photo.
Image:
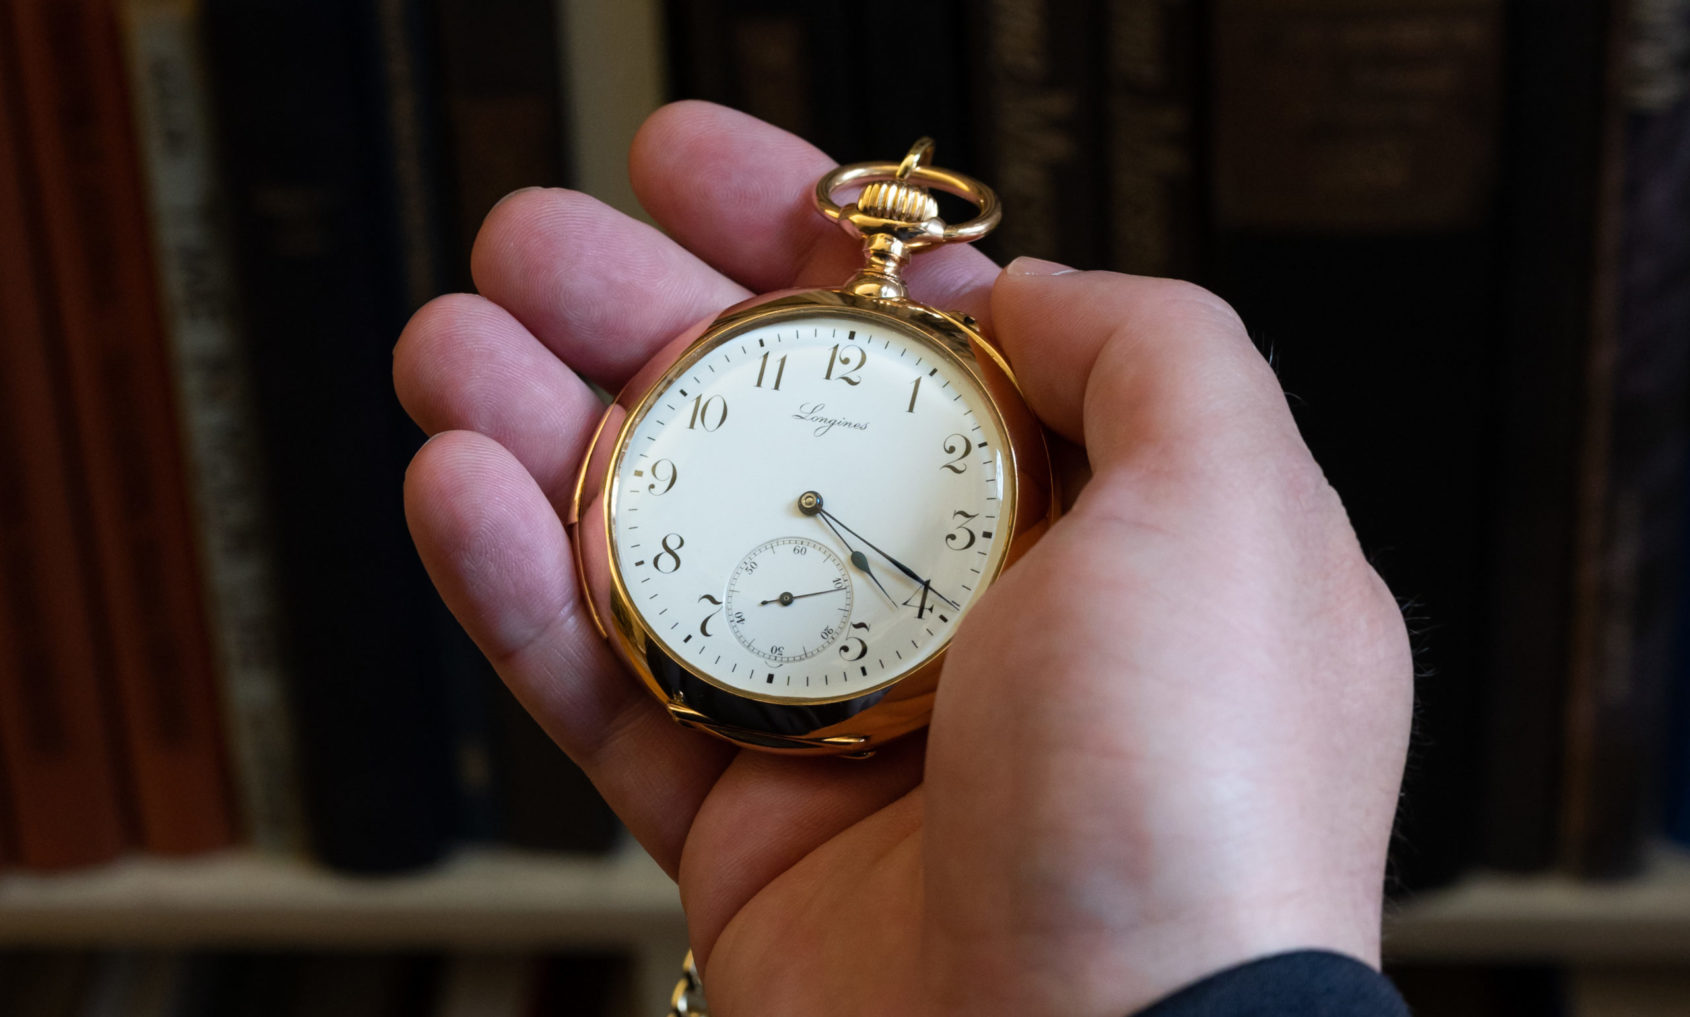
(501, 899)
(1490, 917)
(480, 900)
(494, 899)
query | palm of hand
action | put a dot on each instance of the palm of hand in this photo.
(1168, 739)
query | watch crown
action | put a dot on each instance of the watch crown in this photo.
(893, 199)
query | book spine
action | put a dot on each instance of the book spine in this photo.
(501, 75)
(782, 63)
(1152, 132)
(213, 376)
(1041, 135)
(1636, 440)
(549, 804)
(1355, 154)
(1552, 149)
(60, 793)
(94, 214)
(939, 85)
(331, 238)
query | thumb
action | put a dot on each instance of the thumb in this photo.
(1128, 365)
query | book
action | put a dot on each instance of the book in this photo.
(809, 69)
(93, 215)
(547, 802)
(1154, 123)
(1468, 990)
(785, 64)
(1636, 440)
(1553, 144)
(488, 985)
(372, 985)
(502, 90)
(1038, 84)
(59, 771)
(1354, 171)
(54, 985)
(613, 79)
(58, 781)
(324, 114)
(210, 361)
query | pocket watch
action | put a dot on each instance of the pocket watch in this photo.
(782, 519)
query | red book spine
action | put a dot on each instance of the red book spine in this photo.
(93, 208)
(60, 794)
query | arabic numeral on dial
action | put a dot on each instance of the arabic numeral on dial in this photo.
(828, 633)
(862, 644)
(776, 650)
(850, 362)
(959, 446)
(913, 390)
(704, 626)
(962, 533)
(669, 554)
(780, 370)
(702, 409)
(658, 471)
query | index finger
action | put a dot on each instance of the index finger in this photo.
(737, 192)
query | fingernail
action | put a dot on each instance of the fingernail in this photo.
(519, 190)
(1038, 266)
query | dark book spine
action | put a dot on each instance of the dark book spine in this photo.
(932, 93)
(330, 201)
(548, 803)
(1636, 440)
(1040, 141)
(1552, 149)
(501, 80)
(787, 64)
(59, 799)
(500, 77)
(1153, 127)
(1354, 176)
(93, 206)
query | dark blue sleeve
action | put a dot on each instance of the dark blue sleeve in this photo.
(1307, 983)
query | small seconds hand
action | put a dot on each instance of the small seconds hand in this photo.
(786, 599)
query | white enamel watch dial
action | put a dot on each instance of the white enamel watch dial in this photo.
(802, 510)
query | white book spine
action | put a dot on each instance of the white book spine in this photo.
(212, 371)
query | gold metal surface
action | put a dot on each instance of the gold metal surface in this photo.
(904, 702)
(688, 998)
(896, 217)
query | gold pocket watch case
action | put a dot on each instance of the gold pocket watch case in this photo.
(782, 519)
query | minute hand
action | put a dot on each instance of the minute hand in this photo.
(895, 563)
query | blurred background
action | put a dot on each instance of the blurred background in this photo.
(249, 765)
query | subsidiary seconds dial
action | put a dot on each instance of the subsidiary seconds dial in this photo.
(788, 600)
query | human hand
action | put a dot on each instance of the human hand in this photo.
(1168, 739)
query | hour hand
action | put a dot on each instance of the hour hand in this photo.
(810, 503)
